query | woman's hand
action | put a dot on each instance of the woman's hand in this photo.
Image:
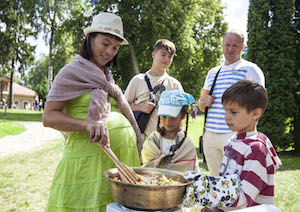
(98, 132)
(55, 117)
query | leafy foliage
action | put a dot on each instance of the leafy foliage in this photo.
(17, 53)
(36, 78)
(195, 27)
(271, 45)
(11, 128)
(296, 133)
(14, 19)
(59, 20)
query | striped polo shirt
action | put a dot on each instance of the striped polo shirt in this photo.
(252, 156)
(228, 75)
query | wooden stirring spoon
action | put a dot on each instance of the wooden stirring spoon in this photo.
(127, 174)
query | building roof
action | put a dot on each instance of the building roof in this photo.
(19, 90)
(5, 79)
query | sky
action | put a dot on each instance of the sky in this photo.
(236, 14)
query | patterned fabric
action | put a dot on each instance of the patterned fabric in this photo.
(211, 191)
(184, 159)
(166, 145)
(110, 29)
(228, 75)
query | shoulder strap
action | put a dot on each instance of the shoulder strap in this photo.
(210, 93)
(148, 83)
(214, 83)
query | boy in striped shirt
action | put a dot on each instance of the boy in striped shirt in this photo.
(248, 166)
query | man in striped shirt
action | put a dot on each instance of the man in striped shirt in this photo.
(235, 69)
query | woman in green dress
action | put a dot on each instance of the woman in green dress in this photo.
(85, 102)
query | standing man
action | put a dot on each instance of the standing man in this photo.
(137, 92)
(235, 69)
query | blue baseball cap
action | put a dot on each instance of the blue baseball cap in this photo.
(171, 102)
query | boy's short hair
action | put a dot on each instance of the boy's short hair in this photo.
(164, 43)
(248, 94)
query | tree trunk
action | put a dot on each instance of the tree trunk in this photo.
(10, 97)
(134, 59)
(1, 88)
(50, 63)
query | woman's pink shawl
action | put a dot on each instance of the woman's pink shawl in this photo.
(81, 76)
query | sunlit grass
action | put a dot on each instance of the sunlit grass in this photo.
(21, 115)
(10, 128)
(25, 178)
(195, 129)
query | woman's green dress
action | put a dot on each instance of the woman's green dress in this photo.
(78, 184)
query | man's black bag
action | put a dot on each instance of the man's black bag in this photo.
(142, 119)
(201, 148)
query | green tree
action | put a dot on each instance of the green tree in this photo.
(271, 44)
(297, 115)
(17, 54)
(57, 19)
(195, 26)
(204, 51)
(36, 79)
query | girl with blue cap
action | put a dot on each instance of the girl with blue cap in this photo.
(170, 147)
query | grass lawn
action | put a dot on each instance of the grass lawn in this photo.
(20, 115)
(195, 128)
(9, 118)
(10, 128)
(25, 178)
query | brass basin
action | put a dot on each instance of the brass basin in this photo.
(147, 197)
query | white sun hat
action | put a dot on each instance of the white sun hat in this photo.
(107, 23)
(171, 102)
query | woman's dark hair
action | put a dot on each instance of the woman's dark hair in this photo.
(86, 51)
(184, 110)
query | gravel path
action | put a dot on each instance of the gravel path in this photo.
(35, 136)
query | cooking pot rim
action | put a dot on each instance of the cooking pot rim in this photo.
(107, 173)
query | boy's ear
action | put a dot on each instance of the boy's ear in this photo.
(153, 55)
(257, 113)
